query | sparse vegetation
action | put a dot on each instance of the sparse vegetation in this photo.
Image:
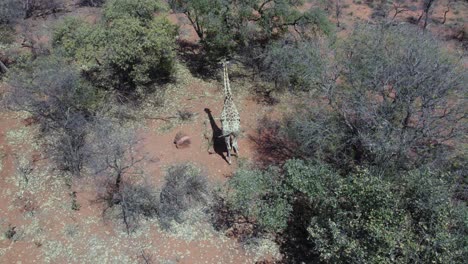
(384, 112)
(352, 140)
(135, 201)
(185, 188)
(10, 232)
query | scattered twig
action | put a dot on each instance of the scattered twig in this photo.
(398, 10)
(167, 119)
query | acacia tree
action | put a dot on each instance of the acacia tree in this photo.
(397, 100)
(224, 26)
(400, 94)
(294, 65)
(397, 103)
(114, 156)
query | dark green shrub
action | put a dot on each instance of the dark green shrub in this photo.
(370, 219)
(92, 3)
(361, 218)
(128, 54)
(11, 10)
(259, 196)
(10, 232)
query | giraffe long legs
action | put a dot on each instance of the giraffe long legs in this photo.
(228, 146)
(235, 146)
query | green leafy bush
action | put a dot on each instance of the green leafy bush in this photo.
(127, 54)
(361, 218)
(258, 195)
(79, 40)
(142, 10)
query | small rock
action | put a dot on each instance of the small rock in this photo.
(182, 141)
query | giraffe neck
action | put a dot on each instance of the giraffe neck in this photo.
(227, 85)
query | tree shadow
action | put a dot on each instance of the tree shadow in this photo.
(219, 145)
(294, 242)
(272, 148)
(197, 61)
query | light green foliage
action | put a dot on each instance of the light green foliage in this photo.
(140, 9)
(80, 41)
(259, 195)
(360, 222)
(311, 180)
(7, 34)
(143, 52)
(129, 53)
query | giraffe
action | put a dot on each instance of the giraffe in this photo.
(230, 119)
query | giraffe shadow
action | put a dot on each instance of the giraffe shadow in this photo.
(219, 145)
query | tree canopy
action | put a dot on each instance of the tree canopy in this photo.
(127, 52)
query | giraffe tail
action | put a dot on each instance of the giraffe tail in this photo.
(234, 134)
(225, 135)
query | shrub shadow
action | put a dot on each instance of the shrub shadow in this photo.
(195, 58)
(294, 242)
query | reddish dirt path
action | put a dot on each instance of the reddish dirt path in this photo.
(66, 236)
(161, 146)
(57, 234)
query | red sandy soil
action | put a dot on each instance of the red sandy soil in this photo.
(17, 202)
